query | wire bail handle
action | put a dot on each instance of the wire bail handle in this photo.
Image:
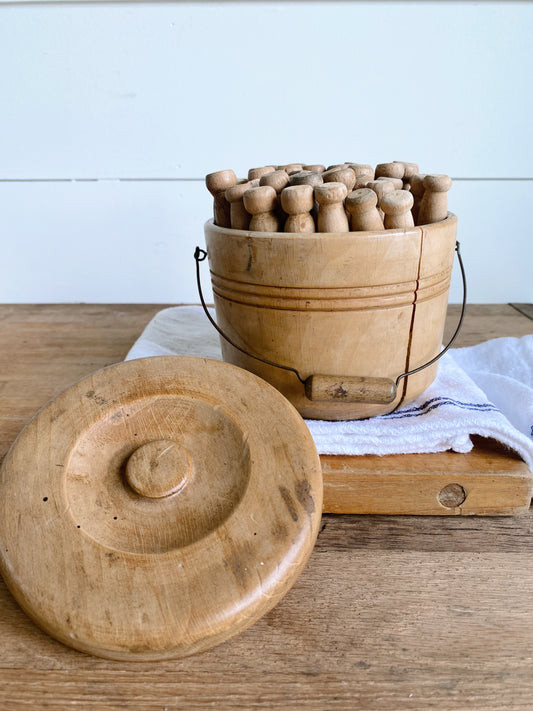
(351, 388)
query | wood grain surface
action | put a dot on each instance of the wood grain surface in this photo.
(391, 612)
(333, 306)
(117, 562)
(488, 481)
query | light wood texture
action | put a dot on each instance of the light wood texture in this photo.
(409, 169)
(257, 173)
(362, 206)
(158, 468)
(261, 203)
(239, 217)
(377, 299)
(217, 183)
(396, 182)
(364, 173)
(343, 174)
(326, 388)
(298, 201)
(70, 341)
(416, 185)
(314, 167)
(391, 612)
(291, 167)
(434, 203)
(150, 491)
(380, 187)
(306, 177)
(331, 215)
(390, 170)
(485, 482)
(277, 179)
(397, 208)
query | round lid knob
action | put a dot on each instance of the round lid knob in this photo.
(158, 468)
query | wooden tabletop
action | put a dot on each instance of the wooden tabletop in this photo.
(391, 612)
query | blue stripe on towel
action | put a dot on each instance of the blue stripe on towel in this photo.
(439, 402)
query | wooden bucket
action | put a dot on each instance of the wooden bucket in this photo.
(350, 312)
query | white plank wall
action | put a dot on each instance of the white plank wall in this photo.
(112, 113)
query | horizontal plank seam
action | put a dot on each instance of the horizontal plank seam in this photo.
(196, 180)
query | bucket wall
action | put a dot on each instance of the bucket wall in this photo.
(350, 304)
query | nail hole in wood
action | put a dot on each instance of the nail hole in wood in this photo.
(451, 496)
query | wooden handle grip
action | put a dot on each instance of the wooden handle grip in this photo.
(351, 388)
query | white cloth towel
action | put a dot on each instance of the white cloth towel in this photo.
(483, 390)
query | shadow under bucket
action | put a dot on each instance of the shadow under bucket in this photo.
(347, 315)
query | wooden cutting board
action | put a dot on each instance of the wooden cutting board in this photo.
(487, 481)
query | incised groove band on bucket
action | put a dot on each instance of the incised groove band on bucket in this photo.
(351, 388)
(355, 298)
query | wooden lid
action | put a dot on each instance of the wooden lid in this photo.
(158, 507)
